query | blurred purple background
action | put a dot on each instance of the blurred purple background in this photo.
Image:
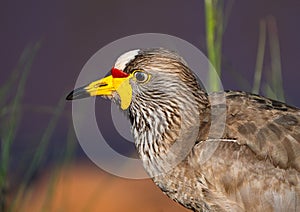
(72, 31)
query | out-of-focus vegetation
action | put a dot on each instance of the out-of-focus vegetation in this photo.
(11, 111)
(10, 114)
(217, 14)
(216, 18)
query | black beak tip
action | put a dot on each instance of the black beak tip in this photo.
(78, 93)
(70, 96)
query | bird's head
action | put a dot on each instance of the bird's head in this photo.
(163, 100)
(151, 74)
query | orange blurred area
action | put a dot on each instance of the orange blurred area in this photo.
(85, 187)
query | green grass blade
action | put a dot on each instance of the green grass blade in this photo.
(39, 153)
(276, 74)
(260, 56)
(210, 41)
(10, 128)
(70, 146)
(227, 12)
(214, 17)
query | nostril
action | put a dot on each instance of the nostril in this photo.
(98, 85)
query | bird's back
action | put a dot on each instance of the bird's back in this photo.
(255, 166)
(271, 129)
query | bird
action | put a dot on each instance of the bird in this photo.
(255, 164)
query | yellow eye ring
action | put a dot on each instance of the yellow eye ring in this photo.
(141, 76)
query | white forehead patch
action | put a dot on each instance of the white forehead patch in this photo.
(126, 58)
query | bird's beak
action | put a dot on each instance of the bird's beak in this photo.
(117, 82)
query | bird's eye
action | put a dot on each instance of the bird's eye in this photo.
(141, 76)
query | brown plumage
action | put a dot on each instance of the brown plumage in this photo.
(255, 165)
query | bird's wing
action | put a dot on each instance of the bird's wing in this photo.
(257, 161)
(271, 129)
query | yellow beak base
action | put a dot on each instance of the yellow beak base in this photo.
(106, 87)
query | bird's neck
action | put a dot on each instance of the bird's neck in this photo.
(164, 136)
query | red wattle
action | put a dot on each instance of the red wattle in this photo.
(116, 73)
